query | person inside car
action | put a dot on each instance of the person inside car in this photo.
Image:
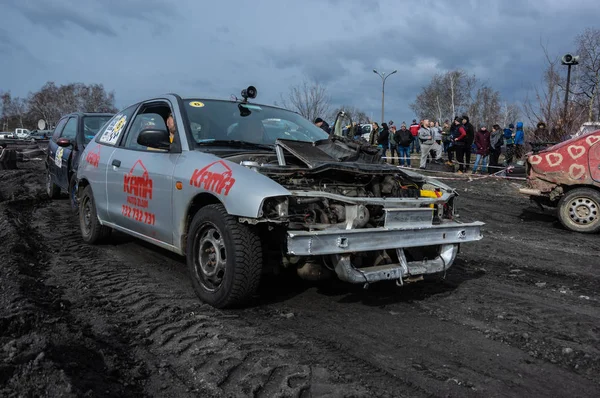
(171, 127)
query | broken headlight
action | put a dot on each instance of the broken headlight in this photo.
(275, 207)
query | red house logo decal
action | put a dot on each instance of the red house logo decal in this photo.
(216, 177)
(93, 157)
(138, 184)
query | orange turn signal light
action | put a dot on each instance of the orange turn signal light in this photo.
(179, 185)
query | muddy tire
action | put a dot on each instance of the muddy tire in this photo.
(73, 187)
(91, 229)
(579, 210)
(52, 189)
(224, 258)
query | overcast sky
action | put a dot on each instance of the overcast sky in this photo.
(140, 48)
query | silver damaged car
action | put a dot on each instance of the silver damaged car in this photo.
(242, 189)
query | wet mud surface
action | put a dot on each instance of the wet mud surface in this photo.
(518, 315)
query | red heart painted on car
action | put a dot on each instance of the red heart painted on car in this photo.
(535, 159)
(592, 139)
(576, 151)
(576, 171)
(554, 159)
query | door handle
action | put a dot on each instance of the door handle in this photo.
(116, 163)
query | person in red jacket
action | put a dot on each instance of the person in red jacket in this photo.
(482, 143)
(415, 146)
(459, 143)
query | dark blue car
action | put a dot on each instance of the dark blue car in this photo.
(70, 137)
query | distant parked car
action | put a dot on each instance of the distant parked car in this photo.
(70, 137)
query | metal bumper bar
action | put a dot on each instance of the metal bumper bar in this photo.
(345, 241)
(348, 273)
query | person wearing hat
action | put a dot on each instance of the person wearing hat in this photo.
(470, 137)
(323, 125)
(414, 130)
(482, 149)
(519, 141)
(509, 140)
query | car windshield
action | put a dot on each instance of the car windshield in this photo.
(220, 121)
(91, 125)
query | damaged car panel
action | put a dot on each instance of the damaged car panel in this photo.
(567, 176)
(242, 189)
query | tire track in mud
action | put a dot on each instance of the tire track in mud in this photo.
(46, 351)
(214, 353)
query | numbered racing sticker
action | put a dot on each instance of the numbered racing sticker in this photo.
(197, 104)
(113, 131)
(58, 157)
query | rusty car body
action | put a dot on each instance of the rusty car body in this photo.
(566, 176)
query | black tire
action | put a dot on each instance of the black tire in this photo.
(91, 229)
(73, 198)
(52, 189)
(240, 257)
(579, 210)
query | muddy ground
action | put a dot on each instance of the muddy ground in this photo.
(519, 315)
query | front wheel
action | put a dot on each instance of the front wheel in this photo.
(579, 210)
(224, 257)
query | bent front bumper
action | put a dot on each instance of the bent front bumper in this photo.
(341, 243)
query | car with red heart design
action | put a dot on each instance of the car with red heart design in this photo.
(567, 176)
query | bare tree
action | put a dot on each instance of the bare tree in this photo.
(486, 106)
(446, 95)
(309, 99)
(588, 48)
(509, 113)
(51, 102)
(545, 102)
(353, 112)
(5, 99)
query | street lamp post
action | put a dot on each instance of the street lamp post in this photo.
(383, 79)
(568, 60)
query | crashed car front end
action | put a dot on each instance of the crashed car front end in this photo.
(366, 222)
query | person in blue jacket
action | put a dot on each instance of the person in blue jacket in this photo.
(519, 141)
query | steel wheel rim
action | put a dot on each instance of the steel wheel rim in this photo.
(583, 211)
(211, 258)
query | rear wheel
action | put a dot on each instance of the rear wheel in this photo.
(91, 229)
(52, 189)
(579, 210)
(224, 257)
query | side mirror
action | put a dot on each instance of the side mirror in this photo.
(63, 142)
(154, 138)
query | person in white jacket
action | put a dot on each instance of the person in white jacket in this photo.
(437, 141)
(425, 136)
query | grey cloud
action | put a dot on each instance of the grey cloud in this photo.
(55, 17)
(157, 11)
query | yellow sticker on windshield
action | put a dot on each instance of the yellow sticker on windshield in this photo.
(197, 104)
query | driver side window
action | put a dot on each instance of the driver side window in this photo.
(143, 121)
(70, 130)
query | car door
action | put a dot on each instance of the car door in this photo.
(63, 154)
(96, 158)
(53, 147)
(140, 180)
